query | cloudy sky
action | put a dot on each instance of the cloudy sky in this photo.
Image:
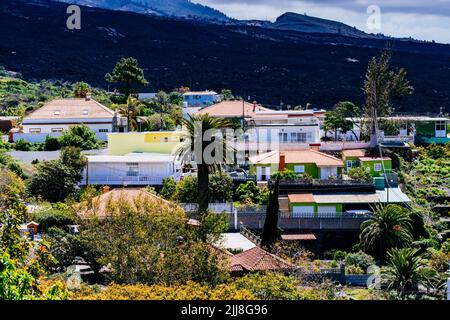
(420, 19)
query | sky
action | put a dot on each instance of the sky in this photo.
(420, 19)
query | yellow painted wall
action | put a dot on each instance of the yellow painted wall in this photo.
(152, 142)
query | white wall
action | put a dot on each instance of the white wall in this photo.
(40, 137)
(47, 128)
(116, 173)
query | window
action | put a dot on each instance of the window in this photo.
(283, 137)
(377, 166)
(103, 130)
(440, 125)
(349, 164)
(35, 130)
(299, 169)
(57, 129)
(133, 169)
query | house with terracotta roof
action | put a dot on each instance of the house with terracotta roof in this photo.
(342, 204)
(59, 114)
(377, 166)
(311, 163)
(264, 125)
(258, 260)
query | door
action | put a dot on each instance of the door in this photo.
(263, 173)
(326, 211)
(303, 212)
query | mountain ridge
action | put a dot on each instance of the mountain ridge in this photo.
(269, 65)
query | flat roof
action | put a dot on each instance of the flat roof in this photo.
(362, 159)
(133, 157)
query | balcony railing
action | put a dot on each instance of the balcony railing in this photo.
(126, 180)
(325, 215)
(324, 182)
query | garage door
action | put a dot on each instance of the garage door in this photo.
(326, 211)
(303, 212)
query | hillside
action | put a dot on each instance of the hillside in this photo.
(304, 23)
(179, 8)
(266, 64)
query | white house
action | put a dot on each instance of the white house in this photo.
(59, 114)
(133, 169)
(200, 98)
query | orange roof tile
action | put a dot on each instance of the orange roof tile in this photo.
(231, 109)
(257, 259)
(303, 156)
(305, 197)
(354, 153)
(298, 237)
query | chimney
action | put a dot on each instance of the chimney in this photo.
(282, 164)
(254, 106)
(314, 146)
(88, 97)
(106, 189)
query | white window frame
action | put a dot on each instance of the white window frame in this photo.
(57, 130)
(377, 167)
(299, 169)
(131, 166)
(349, 164)
(34, 130)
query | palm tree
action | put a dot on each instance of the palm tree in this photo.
(390, 227)
(194, 145)
(131, 110)
(404, 272)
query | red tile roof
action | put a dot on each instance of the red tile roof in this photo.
(299, 237)
(257, 259)
(305, 197)
(71, 108)
(354, 153)
(231, 109)
(304, 156)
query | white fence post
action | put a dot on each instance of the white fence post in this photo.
(235, 219)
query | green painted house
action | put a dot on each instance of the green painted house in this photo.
(375, 165)
(320, 205)
(315, 164)
(432, 130)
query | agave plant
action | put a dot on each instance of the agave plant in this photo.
(404, 272)
(390, 227)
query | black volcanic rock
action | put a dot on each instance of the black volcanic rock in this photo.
(266, 64)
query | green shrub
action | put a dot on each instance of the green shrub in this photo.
(54, 218)
(4, 145)
(168, 189)
(352, 269)
(359, 174)
(22, 145)
(79, 136)
(51, 144)
(335, 254)
(187, 191)
(359, 259)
